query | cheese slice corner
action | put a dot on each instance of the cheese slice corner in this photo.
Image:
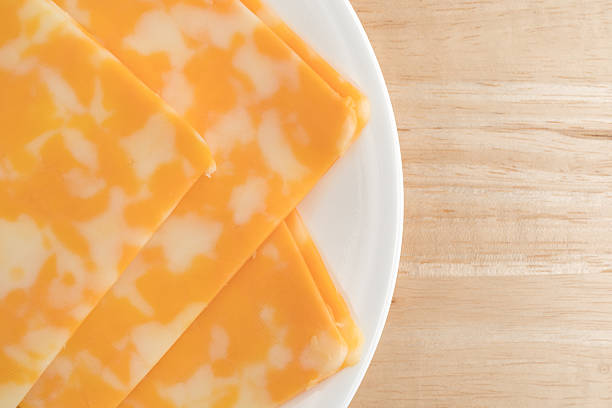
(355, 97)
(240, 331)
(264, 339)
(335, 301)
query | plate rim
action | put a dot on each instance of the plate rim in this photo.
(399, 227)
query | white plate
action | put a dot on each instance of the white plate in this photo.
(355, 213)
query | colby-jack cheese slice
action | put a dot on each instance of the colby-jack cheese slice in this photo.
(266, 337)
(274, 126)
(91, 162)
(190, 374)
(334, 299)
(338, 82)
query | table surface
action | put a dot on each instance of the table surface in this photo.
(504, 294)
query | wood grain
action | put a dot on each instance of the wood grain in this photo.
(505, 117)
(495, 342)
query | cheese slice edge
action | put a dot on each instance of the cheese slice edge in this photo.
(336, 303)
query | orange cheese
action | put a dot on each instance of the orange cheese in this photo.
(228, 358)
(336, 304)
(274, 126)
(266, 337)
(91, 162)
(338, 82)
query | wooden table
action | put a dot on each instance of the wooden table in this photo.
(504, 295)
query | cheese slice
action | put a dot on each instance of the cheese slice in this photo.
(334, 299)
(91, 162)
(275, 127)
(337, 81)
(213, 366)
(336, 304)
(266, 337)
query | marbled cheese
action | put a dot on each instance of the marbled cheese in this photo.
(338, 82)
(336, 304)
(91, 162)
(265, 338)
(275, 127)
(334, 299)
(273, 280)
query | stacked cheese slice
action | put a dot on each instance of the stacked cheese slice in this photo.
(91, 162)
(188, 323)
